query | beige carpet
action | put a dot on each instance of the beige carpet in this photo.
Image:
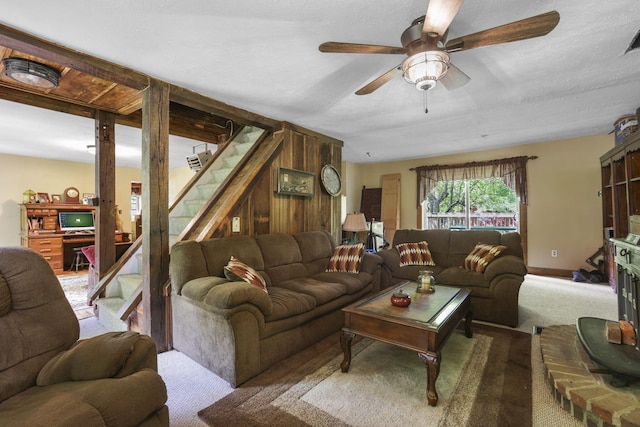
(484, 381)
(75, 289)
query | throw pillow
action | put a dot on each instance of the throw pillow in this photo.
(346, 258)
(481, 256)
(238, 271)
(415, 254)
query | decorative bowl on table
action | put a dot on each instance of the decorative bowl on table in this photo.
(400, 298)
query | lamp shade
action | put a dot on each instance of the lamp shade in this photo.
(425, 68)
(355, 222)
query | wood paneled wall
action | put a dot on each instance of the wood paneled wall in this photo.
(264, 211)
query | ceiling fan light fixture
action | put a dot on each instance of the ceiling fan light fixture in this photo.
(31, 73)
(424, 69)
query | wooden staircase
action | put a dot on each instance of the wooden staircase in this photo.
(200, 208)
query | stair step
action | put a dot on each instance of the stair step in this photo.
(206, 191)
(243, 148)
(231, 161)
(178, 224)
(220, 174)
(128, 284)
(250, 136)
(108, 314)
(191, 207)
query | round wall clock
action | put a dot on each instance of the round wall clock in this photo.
(331, 180)
(71, 195)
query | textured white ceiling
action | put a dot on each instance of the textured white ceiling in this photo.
(263, 56)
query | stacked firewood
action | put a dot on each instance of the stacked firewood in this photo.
(621, 332)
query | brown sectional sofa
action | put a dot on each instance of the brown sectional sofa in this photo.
(494, 293)
(237, 330)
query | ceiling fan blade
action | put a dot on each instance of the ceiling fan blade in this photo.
(454, 78)
(339, 47)
(375, 84)
(536, 26)
(439, 15)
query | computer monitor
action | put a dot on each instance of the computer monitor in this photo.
(76, 221)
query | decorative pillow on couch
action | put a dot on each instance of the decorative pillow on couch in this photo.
(415, 254)
(346, 258)
(481, 256)
(238, 271)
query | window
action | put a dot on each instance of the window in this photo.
(485, 204)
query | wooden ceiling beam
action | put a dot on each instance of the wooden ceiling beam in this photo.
(196, 101)
(46, 102)
(32, 45)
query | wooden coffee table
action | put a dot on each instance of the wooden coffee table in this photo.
(424, 326)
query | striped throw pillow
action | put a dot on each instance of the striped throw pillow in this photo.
(481, 256)
(238, 271)
(415, 254)
(346, 258)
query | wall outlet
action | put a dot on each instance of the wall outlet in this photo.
(554, 253)
(235, 224)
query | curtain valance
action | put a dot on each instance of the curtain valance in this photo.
(512, 171)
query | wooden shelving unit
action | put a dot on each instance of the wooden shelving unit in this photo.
(620, 169)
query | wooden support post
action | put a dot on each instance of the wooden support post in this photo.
(155, 210)
(105, 178)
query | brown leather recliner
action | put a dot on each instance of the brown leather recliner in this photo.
(48, 377)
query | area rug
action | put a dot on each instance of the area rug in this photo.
(75, 289)
(483, 381)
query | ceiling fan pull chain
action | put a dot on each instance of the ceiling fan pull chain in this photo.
(426, 110)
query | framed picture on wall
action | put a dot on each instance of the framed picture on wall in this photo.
(295, 182)
(56, 198)
(43, 197)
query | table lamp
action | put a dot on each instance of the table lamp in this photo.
(355, 223)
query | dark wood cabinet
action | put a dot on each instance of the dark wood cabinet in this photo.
(620, 168)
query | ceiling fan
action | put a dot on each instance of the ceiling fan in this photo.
(425, 44)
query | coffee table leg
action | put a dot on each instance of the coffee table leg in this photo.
(432, 362)
(467, 323)
(345, 343)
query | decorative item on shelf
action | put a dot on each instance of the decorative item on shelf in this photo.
(295, 183)
(43, 197)
(331, 180)
(426, 282)
(400, 298)
(624, 127)
(355, 222)
(29, 196)
(86, 197)
(71, 195)
(56, 198)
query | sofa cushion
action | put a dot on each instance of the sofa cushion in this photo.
(346, 258)
(458, 276)
(233, 294)
(481, 256)
(414, 254)
(354, 282)
(323, 292)
(278, 249)
(80, 364)
(217, 253)
(287, 303)
(5, 296)
(236, 270)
